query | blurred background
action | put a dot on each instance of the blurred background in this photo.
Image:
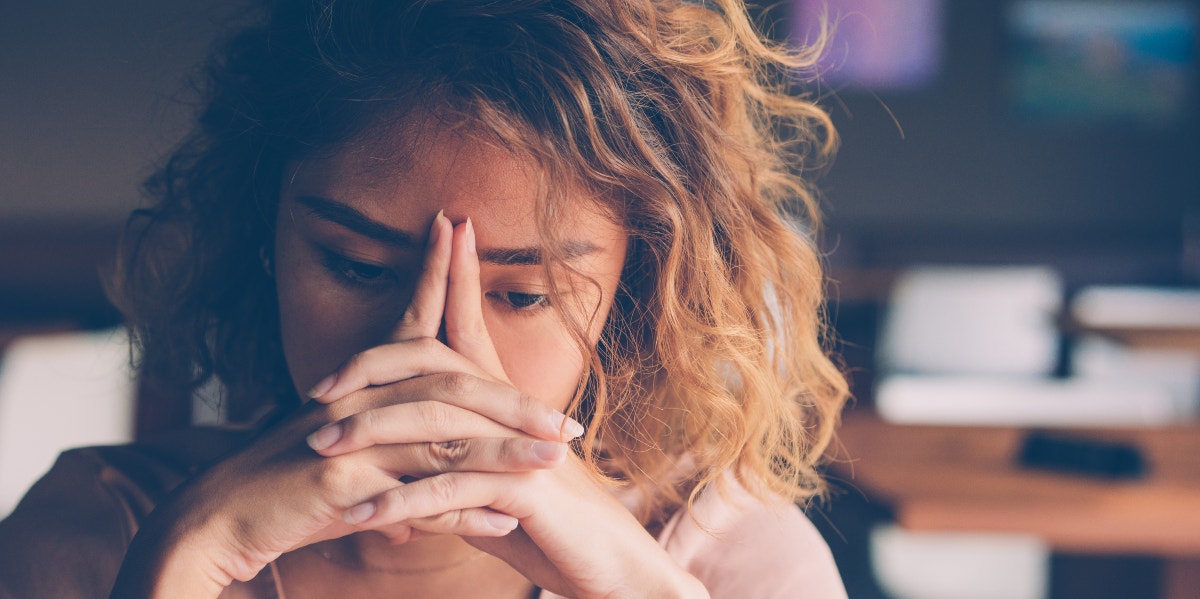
(1013, 231)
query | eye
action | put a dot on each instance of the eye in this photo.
(520, 302)
(354, 273)
(360, 271)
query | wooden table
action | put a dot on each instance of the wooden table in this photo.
(941, 478)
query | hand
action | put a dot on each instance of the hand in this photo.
(442, 413)
(575, 538)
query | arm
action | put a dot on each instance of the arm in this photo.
(396, 405)
(279, 494)
(68, 534)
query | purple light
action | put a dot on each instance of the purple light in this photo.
(877, 44)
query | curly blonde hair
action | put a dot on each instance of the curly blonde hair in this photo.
(679, 115)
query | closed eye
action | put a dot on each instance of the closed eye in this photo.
(517, 301)
(353, 273)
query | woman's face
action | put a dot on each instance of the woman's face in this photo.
(350, 239)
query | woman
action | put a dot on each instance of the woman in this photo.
(510, 293)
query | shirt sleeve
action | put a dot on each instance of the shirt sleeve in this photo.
(67, 536)
(740, 546)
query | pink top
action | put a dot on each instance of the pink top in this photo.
(740, 547)
(67, 537)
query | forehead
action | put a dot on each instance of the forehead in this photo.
(407, 172)
(400, 176)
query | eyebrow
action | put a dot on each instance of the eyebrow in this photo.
(352, 219)
(339, 213)
(532, 256)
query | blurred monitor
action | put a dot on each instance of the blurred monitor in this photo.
(877, 44)
(1087, 61)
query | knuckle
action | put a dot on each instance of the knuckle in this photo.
(527, 412)
(332, 475)
(458, 384)
(528, 405)
(435, 417)
(357, 428)
(356, 368)
(356, 362)
(443, 489)
(512, 451)
(444, 522)
(428, 346)
(448, 455)
(395, 502)
(454, 520)
(370, 365)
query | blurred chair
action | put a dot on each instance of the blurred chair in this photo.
(943, 565)
(964, 345)
(986, 321)
(979, 346)
(57, 392)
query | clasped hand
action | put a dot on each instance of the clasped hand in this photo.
(418, 437)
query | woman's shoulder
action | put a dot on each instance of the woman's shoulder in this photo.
(739, 545)
(136, 475)
(68, 535)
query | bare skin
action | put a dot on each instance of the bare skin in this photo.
(451, 376)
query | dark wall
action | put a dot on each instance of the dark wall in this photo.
(91, 94)
(951, 174)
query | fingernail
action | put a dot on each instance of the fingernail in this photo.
(547, 451)
(323, 386)
(564, 425)
(325, 436)
(501, 521)
(435, 230)
(470, 236)
(572, 428)
(359, 513)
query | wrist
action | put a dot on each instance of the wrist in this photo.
(168, 558)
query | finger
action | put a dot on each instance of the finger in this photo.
(472, 522)
(392, 363)
(417, 422)
(345, 481)
(432, 496)
(520, 454)
(466, 332)
(423, 317)
(496, 401)
(401, 533)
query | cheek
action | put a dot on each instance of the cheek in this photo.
(321, 325)
(541, 357)
(546, 363)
